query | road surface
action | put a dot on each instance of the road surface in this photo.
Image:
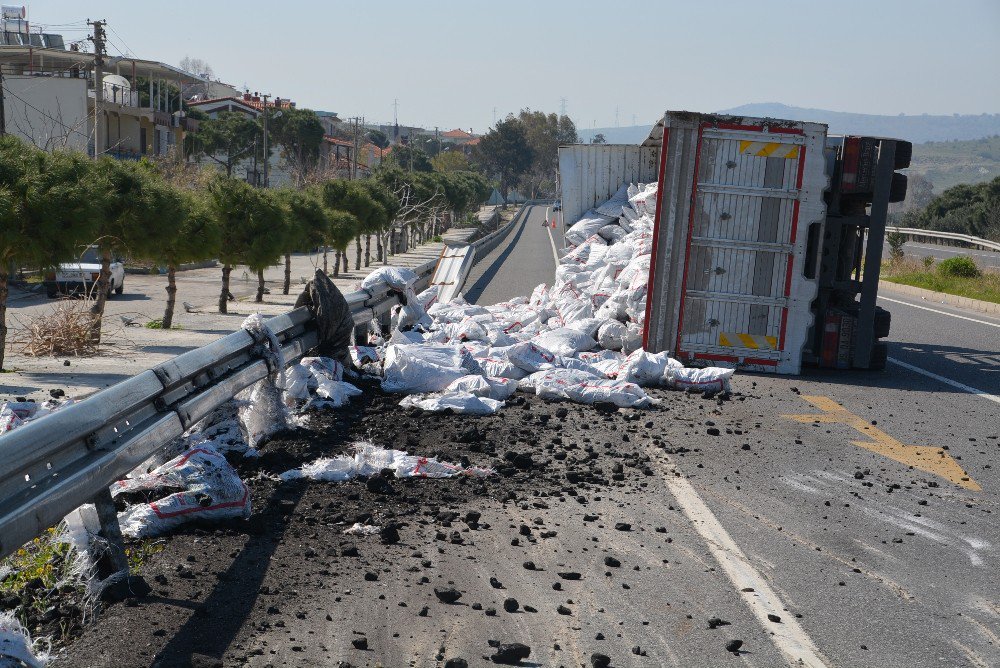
(985, 259)
(831, 519)
(522, 261)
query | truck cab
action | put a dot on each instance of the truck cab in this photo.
(847, 253)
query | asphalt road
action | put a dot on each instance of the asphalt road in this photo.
(985, 259)
(524, 260)
(889, 563)
(833, 519)
(957, 344)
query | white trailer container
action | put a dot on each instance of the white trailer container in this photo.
(728, 278)
(589, 174)
(766, 231)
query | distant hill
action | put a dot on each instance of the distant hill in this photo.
(917, 129)
(946, 164)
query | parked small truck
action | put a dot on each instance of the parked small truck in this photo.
(768, 237)
(81, 277)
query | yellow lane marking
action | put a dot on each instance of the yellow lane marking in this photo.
(931, 459)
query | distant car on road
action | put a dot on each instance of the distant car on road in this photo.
(81, 277)
(557, 206)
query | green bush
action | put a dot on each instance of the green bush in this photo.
(960, 266)
(895, 241)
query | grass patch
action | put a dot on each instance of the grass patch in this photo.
(37, 565)
(985, 287)
(139, 553)
(158, 324)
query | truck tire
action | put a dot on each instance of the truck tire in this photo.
(897, 187)
(880, 356)
(904, 152)
(120, 288)
(882, 322)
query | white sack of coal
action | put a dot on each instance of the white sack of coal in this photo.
(197, 485)
(370, 459)
(464, 403)
(421, 368)
(588, 225)
(16, 647)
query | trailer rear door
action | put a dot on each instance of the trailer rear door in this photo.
(738, 262)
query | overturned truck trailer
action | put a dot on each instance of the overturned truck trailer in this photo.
(767, 241)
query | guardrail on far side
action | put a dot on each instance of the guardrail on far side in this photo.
(934, 236)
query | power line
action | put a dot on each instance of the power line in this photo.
(127, 47)
(8, 91)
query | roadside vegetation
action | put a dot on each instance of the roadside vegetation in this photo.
(954, 276)
(54, 205)
(962, 209)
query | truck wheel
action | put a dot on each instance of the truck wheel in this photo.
(880, 356)
(897, 187)
(120, 288)
(882, 322)
(904, 152)
(52, 293)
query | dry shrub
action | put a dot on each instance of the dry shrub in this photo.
(63, 330)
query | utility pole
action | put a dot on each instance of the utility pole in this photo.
(98, 40)
(266, 183)
(3, 111)
(357, 146)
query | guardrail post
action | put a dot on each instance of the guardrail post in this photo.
(112, 566)
(112, 532)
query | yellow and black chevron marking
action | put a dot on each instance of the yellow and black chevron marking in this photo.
(769, 149)
(752, 341)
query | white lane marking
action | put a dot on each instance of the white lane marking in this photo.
(790, 638)
(954, 383)
(555, 253)
(934, 310)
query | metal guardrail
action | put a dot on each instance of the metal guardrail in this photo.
(54, 465)
(916, 233)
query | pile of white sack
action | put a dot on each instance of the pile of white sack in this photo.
(14, 414)
(578, 340)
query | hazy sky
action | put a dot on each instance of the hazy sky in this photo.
(451, 64)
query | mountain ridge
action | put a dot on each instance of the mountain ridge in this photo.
(917, 129)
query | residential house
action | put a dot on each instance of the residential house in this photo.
(456, 136)
(50, 101)
(252, 105)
